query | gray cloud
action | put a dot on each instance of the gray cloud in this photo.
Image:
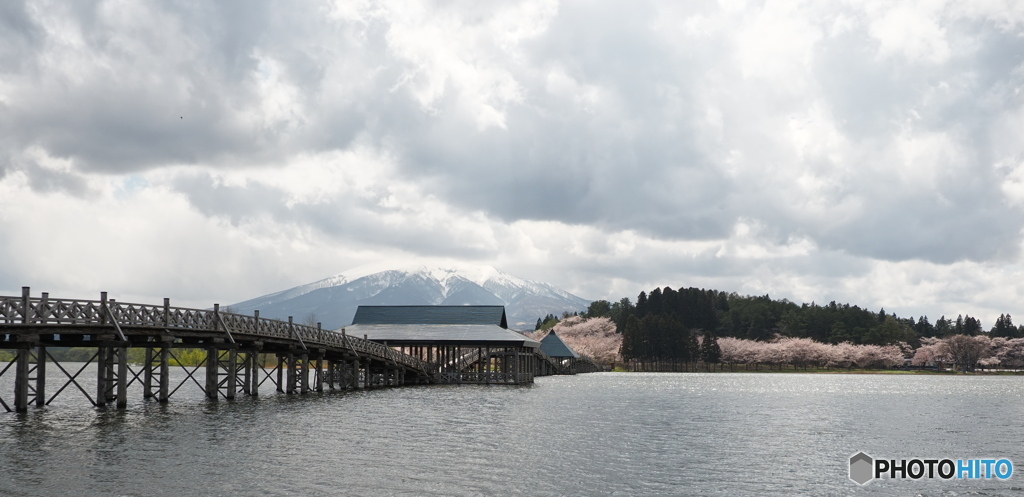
(676, 123)
(358, 222)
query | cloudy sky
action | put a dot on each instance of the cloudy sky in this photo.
(863, 152)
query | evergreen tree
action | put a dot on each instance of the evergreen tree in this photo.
(710, 352)
(620, 311)
(691, 348)
(641, 305)
(972, 327)
(630, 339)
(654, 303)
(924, 328)
(1004, 327)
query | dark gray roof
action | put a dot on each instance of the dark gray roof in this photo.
(553, 346)
(431, 314)
(471, 335)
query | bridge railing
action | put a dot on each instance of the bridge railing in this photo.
(47, 311)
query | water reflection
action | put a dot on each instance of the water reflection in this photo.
(597, 434)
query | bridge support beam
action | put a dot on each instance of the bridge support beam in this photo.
(112, 377)
(40, 371)
(303, 373)
(21, 380)
(211, 372)
(332, 373)
(318, 375)
(249, 358)
(156, 371)
(232, 370)
(122, 376)
(253, 377)
(291, 387)
(281, 362)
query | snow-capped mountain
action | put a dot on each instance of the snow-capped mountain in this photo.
(333, 301)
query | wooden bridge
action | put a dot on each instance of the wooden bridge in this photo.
(236, 348)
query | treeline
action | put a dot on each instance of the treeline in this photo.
(667, 322)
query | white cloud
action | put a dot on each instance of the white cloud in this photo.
(913, 32)
(866, 152)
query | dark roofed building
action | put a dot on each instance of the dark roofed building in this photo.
(470, 343)
(431, 314)
(554, 347)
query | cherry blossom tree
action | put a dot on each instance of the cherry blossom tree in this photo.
(595, 338)
(966, 350)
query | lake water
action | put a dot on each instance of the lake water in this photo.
(595, 434)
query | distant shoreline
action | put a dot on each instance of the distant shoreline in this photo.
(841, 371)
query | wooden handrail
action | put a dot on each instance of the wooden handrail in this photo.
(50, 311)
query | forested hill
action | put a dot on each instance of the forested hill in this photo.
(761, 318)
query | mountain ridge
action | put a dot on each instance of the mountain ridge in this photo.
(333, 300)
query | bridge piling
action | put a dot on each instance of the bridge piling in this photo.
(40, 371)
(318, 382)
(122, 377)
(291, 378)
(232, 373)
(156, 371)
(211, 373)
(21, 380)
(101, 376)
(303, 373)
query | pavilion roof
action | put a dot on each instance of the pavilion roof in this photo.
(553, 346)
(431, 314)
(411, 325)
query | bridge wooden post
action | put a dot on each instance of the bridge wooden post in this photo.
(292, 378)
(232, 373)
(122, 376)
(26, 311)
(318, 370)
(247, 358)
(40, 375)
(332, 369)
(367, 373)
(280, 372)
(211, 372)
(303, 373)
(255, 375)
(101, 386)
(21, 380)
(147, 374)
(164, 393)
(156, 369)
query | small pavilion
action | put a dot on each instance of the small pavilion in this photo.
(469, 343)
(564, 357)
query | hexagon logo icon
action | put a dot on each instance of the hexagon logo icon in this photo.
(861, 466)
